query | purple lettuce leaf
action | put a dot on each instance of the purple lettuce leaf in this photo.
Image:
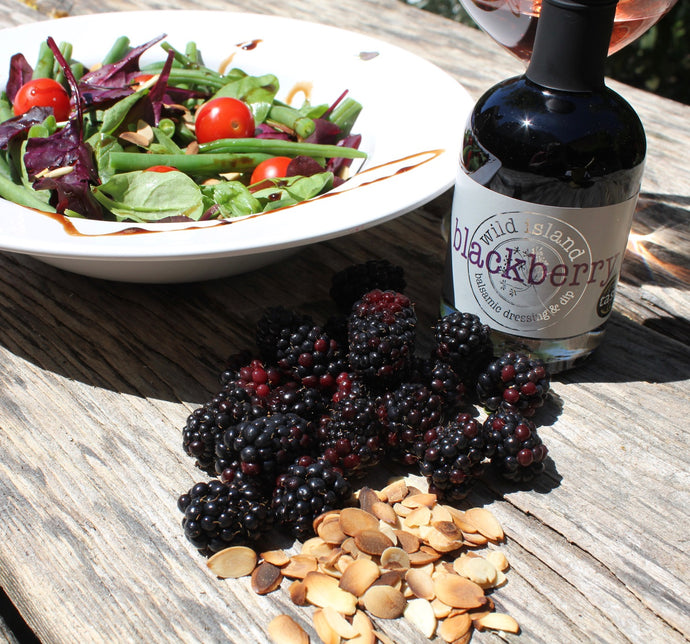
(20, 73)
(303, 166)
(325, 132)
(22, 124)
(337, 164)
(264, 131)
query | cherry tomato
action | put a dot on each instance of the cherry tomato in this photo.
(42, 92)
(142, 78)
(223, 118)
(160, 168)
(270, 169)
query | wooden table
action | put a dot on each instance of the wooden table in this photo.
(97, 379)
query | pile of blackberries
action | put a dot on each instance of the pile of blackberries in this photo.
(315, 407)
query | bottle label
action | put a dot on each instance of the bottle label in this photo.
(537, 271)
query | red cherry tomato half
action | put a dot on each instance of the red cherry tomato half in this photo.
(270, 169)
(42, 92)
(223, 118)
(160, 168)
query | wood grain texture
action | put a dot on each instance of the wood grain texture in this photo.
(97, 378)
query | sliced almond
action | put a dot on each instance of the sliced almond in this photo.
(440, 513)
(475, 539)
(441, 610)
(367, 498)
(323, 591)
(275, 557)
(408, 541)
(420, 500)
(442, 543)
(300, 566)
(384, 512)
(418, 517)
(455, 627)
(324, 630)
(395, 492)
(485, 522)
(285, 630)
(423, 556)
(266, 578)
(355, 520)
(313, 546)
(401, 510)
(385, 602)
(447, 529)
(498, 559)
(458, 592)
(458, 517)
(339, 624)
(323, 517)
(420, 583)
(388, 531)
(498, 622)
(233, 562)
(298, 592)
(395, 558)
(331, 532)
(383, 638)
(358, 576)
(390, 578)
(364, 628)
(420, 613)
(373, 542)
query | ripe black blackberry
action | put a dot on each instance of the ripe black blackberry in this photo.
(350, 284)
(349, 436)
(462, 341)
(515, 448)
(307, 489)
(218, 515)
(381, 337)
(207, 423)
(294, 398)
(265, 446)
(407, 414)
(514, 382)
(441, 379)
(274, 321)
(453, 459)
(310, 355)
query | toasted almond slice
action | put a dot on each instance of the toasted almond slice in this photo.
(485, 522)
(447, 529)
(441, 543)
(367, 499)
(395, 491)
(324, 630)
(395, 558)
(298, 592)
(440, 512)
(458, 517)
(322, 517)
(285, 630)
(355, 520)
(300, 566)
(384, 512)
(418, 517)
(412, 490)
(331, 533)
(401, 510)
(339, 624)
(498, 559)
(323, 590)
(441, 610)
(137, 138)
(266, 578)
(458, 592)
(385, 602)
(424, 556)
(329, 558)
(481, 571)
(501, 580)
(476, 539)
(331, 571)
(420, 583)
(498, 622)
(373, 542)
(358, 576)
(408, 541)
(275, 557)
(383, 638)
(344, 562)
(364, 628)
(390, 578)
(388, 531)
(233, 562)
(420, 613)
(350, 547)
(419, 500)
(313, 545)
(455, 627)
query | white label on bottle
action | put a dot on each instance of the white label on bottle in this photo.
(538, 271)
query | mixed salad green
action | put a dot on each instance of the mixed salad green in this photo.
(168, 141)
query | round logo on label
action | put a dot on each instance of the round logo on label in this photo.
(527, 270)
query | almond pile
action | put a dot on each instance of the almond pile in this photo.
(400, 554)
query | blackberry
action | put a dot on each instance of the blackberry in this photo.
(349, 437)
(258, 380)
(462, 341)
(207, 423)
(515, 448)
(514, 382)
(310, 355)
(307, 489)
(453, 458)
(273, 322)
(407, 414)
(441, 379)
(381, 337)
(265, 446)
(293, 398)
(350, 284)
(218, 515)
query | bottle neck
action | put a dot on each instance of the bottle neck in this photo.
(571, 44)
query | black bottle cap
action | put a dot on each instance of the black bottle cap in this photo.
(571, 44)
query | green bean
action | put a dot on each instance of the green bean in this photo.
(118, 51)
(345, 114)
(66, 51)
(194, 164)
(186, 61)
(280, 147)
(192, 52)
(179, 75)
(77, 69)
(22, 196)
(45, 62)
(303, 126)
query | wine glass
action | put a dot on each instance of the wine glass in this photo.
(513, 23)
